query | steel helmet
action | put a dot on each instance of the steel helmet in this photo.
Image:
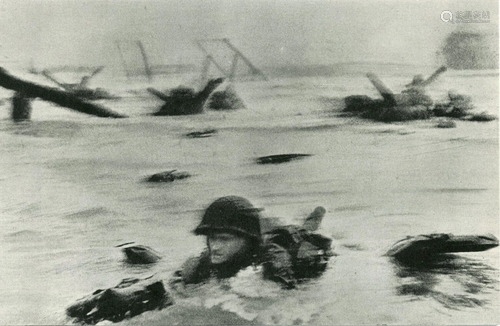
(233, 214)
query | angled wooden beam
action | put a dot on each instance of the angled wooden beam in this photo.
(62, 98)
(255, 70)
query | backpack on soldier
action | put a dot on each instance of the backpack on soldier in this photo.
(295, 253)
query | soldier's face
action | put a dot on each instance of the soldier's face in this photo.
(225, 247)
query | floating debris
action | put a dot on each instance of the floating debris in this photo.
(139, 254)
(282, 158)
(415, 249)
(447, 124)
(481, 117)
(168, 176)
(201, 134)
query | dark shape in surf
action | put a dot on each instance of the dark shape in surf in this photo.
(460, 106)
(224, 98)
(168, 176)
(281, 158)
(139, 254)
(131, 297)
(447, 124)
(411, 104)
(201, 134)
(417, 249)
(184, 101)
(21, 107)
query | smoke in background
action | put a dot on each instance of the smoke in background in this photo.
(469, 49)
(270, 33)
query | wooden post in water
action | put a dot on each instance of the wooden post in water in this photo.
(127, 73)
(255, 70)
(237, 54)
(147, 66)
(234, 65)
(21, 107)
(204, 71)
(211, 59)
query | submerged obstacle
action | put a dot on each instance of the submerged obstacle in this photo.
(184, 101)
(80, 89)
(224, 98)
(460, 106)
(32, 90)
(411, 104)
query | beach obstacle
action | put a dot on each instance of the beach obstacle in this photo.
(184, 101)
(224, 98)
(29, 90)
(211, 58)
(21, 107)
(81, 89)
(412, 104)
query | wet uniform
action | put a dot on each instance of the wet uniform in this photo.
(288, 255)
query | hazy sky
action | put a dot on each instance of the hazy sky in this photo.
(53, 32)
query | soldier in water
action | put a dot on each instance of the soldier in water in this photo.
(234, 241)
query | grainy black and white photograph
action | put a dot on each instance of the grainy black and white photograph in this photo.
(237, 162)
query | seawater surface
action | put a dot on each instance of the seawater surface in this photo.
(72, 189)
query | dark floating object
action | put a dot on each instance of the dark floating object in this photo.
(282, 158)
(421, 247)
(411, 104)
(184, 101)
(168, 176)
(21, 107)
(201, 134)
(130, 298)
(446, 124)
(482, 117)
(224, 98)
(139, 254)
